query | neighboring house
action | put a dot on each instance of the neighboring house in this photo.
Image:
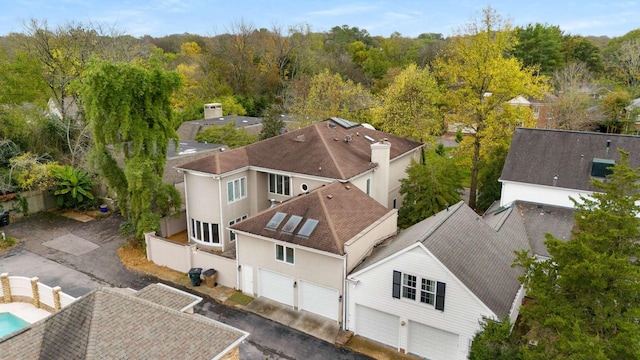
(229, 186)
(299, 253)
(119, 324)
(633, 111)
(552, 166)
(213, 117)
(426, 291)
(541, 110)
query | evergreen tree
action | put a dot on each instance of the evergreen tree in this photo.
(428, 188)
(586, 298)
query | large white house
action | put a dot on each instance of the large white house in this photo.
(426, 291)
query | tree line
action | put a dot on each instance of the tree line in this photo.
(412, 87)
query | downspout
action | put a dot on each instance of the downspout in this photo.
(220, 235)
(186, 196)
(344, 291)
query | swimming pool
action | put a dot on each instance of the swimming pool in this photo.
(10, 323)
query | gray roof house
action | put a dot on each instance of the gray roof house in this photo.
(425, 291)
(114, 324)
(550, 166)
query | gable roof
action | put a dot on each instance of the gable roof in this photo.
(341, 209)
(537, 155)
(319, 150)
(106, 323)
(476, 253)
(537, 220)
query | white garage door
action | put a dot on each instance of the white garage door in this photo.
(432, 343)
(319, 300)
(275, 286)
(377, 325)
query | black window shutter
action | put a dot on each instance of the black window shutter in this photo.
(397, 281)
(440, 290)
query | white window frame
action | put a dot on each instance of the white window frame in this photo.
(426, 293)
(409, 288)
(285, 257)
(236, 189)
(204, 232)
(232, 235)
(285, 186)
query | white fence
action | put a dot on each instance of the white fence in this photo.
(185, 257)
(30, 290)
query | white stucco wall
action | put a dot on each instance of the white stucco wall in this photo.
(311, 266)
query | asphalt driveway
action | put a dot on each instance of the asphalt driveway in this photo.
(80, 256)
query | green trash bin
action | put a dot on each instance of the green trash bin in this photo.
(194, 275)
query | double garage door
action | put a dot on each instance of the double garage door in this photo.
(314, 298)
(423, 340)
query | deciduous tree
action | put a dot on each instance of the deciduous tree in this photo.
(409, 107)
(480, 79)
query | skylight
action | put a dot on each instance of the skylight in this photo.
(275, 221)
(291, 224)
(308, 228)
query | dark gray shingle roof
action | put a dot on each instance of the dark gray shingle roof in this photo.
(476, 253)
(537, 155)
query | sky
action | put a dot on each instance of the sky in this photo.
(379, 17)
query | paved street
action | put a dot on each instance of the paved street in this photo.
(98, 265)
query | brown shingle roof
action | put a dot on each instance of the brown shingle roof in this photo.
(342, 210)
(106, 324)
(319, 149)
(537, 155)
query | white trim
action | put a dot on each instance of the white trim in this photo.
(411, 247)
(196, 300)
(292, 174)
(581, 191)
(309, 249)
(284, 254)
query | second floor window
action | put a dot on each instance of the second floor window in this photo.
(237, 189)
(279, 184)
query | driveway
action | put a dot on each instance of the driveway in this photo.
(80, 256)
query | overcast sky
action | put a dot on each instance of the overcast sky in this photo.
(379, 17)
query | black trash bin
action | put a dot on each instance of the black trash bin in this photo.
(194, 275)
(210, 276)
(4, 218)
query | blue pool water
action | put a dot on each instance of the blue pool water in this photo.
(10, 323)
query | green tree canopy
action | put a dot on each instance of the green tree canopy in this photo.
(586, 297)
(540, 45)
(428, 188)
(409, 107)
(129, 109)
(480, 80)
(226, 134)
